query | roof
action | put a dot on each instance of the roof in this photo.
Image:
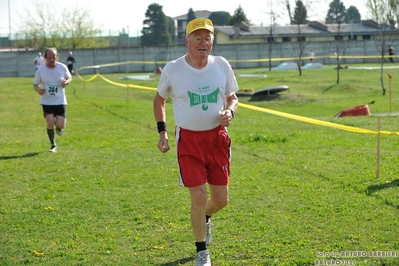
(311, 29)
(197, 14)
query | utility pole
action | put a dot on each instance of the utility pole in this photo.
(9, 25)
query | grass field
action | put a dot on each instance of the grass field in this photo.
(300, 193)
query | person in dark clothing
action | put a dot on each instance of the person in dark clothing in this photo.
(391, 52)
(70, 62)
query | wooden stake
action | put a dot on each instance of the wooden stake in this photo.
(390, 94)
(97, 81)
(378, 148)
(127, 96)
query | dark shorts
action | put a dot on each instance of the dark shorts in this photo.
(57, 110)
(203, 156)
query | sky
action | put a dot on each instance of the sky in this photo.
(116, 15)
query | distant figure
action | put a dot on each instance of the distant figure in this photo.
(70, 62)
(311, 55)
(391, 52)
(38, 61)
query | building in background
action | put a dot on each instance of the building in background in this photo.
(314, 31)
(181, 22)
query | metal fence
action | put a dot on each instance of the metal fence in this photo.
(146, 59)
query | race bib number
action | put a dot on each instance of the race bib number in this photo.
(53, 89)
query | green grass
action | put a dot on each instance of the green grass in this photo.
(108, 197)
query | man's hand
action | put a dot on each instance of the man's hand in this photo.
(225, 118)
(163, 144)
(39, 90)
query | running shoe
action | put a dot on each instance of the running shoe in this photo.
(53, 148)
(203, 258)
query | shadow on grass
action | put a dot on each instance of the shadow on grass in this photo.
(19, 156)
(329, 88)
(375, 188)
(99, 106)
(178, 262)
(259, 98)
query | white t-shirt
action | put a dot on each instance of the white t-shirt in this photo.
(198, 95)
(51, 79)
(38, 61)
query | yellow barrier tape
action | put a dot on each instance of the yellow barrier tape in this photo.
(142, 87)
(247, 60)
(308, 58)
(315, 121)
(88, 80)
(110, 81)
(126, 85)
(122, 63)
(256, 108)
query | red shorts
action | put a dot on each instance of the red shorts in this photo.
(203, 156)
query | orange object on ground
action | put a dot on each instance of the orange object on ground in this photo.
(355, 111)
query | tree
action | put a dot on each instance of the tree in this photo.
(299, 19)
(172, 28)
(336, 13)
(190, 15)
(385, 14)
(288, 6)
(384, 11)
(238, 17)
(394, 15)
(353, 15)
(74, 29)
(271, 38)
(220, 18)
(80, 28)
(156, 27)
(300, 14)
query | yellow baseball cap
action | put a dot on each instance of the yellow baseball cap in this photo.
(199, 23)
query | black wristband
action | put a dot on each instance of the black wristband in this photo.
(233, 114)
(161, 126)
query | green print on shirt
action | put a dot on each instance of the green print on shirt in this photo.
(196, 99)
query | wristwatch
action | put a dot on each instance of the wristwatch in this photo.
(233, 114)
